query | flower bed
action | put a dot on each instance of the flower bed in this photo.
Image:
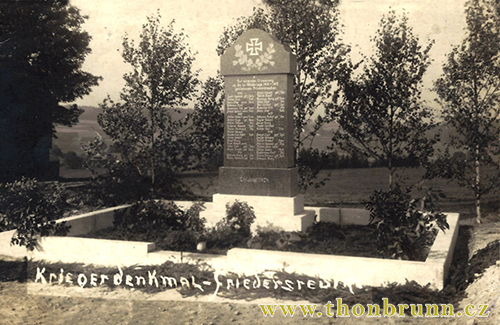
(321, 238)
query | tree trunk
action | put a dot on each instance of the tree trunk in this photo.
(478, 208)
(390, 173)
(153, 163)
(478, 194)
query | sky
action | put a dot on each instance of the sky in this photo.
(204, 20)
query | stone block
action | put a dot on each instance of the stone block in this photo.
(262, 205)
(273, 213)
(259, 154)
(354, 217)
(259, 181)
(276, 222)
(328, 215)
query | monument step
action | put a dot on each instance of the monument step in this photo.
(272, 213)
(262, 205)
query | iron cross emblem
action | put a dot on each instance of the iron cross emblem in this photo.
(254, 46)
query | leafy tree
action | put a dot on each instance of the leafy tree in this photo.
(469, 91)
(31, 209)
(207, 128)
(311, 28)
(311, 161)
(42, 49)
(382, 116)
(146, 126)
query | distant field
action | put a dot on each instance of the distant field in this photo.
(71, 138)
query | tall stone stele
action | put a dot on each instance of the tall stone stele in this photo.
(259, 164)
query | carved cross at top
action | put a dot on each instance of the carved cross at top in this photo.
(253, 46)
(257, 52)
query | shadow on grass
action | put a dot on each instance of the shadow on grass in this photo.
(14, 270)
(463, 270)
(460, 259)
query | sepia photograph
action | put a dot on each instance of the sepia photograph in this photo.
(250, 161)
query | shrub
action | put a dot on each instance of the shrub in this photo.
(234, 229)
(403, 230)
(31, 208)
(179, 240)
(154, 215)
(174, 229)
(192, 221)
(72, 160)
(275, 240)
(239, 218)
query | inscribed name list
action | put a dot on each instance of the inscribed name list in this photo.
(255, 120)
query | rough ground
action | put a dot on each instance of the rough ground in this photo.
(42, 306)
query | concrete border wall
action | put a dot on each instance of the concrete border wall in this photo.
(354, 270)
(349, 270)
(87, 222)
(51, 246)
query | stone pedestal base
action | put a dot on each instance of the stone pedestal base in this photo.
(272, 213)
(278, 182)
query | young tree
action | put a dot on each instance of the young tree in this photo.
(312, 30)
(146, 127)
(42, 49)
(469, 91)
(207, 128)
(382, 116)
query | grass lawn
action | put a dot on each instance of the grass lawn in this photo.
(353, 187)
